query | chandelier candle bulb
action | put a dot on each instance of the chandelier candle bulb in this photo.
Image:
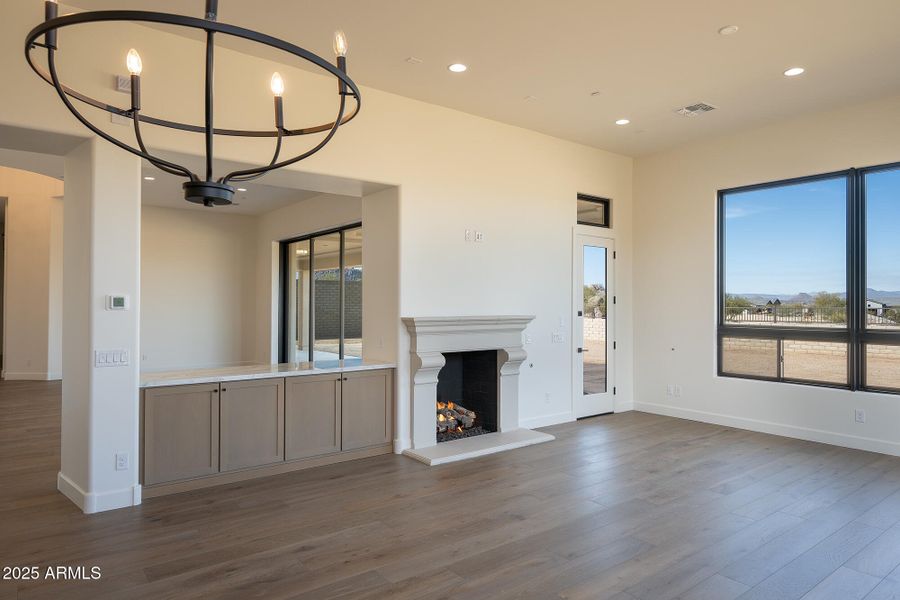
(133, 62)
(340, 44)
(277, 84)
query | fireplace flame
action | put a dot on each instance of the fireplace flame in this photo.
(452, 417)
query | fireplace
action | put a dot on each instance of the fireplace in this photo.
(467, 390)
(491, 347)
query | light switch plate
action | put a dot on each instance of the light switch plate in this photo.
(110, 358)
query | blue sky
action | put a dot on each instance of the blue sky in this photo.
(883, 230)
(792, 239)
(594, 265)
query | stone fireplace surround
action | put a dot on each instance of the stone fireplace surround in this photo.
(430, 337)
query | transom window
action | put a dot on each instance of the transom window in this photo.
(593, 210)
(809, 280)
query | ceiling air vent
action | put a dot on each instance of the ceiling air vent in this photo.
(695, 109)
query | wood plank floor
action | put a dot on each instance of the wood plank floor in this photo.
(631, 506)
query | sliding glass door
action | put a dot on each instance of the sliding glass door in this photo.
(321, 317)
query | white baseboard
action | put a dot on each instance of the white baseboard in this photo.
(401, 444)
(791, 431)
(546, 420)
(29, 376)
(624, 406)
(92, 502)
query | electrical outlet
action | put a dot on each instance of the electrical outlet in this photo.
(528, 339)
(558, 337)
(548, 398)
(479, 236)
(670, 390)
(859, 415)
(121, 461)
(677, 391)
(468, 235)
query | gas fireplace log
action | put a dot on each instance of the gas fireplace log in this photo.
(458, 419)
(463, 411)
(465, 421)
(466, 417)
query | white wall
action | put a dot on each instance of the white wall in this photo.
(197, 288)
(675, 244)
(32, 307)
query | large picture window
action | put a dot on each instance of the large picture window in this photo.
(809, 273)
(321, 285)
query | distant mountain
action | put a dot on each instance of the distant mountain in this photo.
(892, 298)
(887, 297)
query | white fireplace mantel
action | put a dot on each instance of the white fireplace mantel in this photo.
(430, 338)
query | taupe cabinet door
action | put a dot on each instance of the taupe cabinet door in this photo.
(252, 426)
(366, 418)
(181, 432)
(312, 413)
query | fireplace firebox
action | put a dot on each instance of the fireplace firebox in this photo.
(467, 393)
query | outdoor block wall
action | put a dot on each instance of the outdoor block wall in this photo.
(328, 324)
(805, 347)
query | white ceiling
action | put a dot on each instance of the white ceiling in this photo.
(644, 57)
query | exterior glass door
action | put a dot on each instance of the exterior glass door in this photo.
(593, 326)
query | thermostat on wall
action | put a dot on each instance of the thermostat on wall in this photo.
(116, 302)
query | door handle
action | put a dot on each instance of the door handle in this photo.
(580, 350)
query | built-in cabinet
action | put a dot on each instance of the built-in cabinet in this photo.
(312, 411)
(202, 434)
(252, 423)
(180, 432)
(366, 409)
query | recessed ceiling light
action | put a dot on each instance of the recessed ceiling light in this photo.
(242, 189)
(622, 122)
(458, 68)
(413, 60)
(596, 93)
(148, 178)
(529, 98)
(728, 30)
(794, 71)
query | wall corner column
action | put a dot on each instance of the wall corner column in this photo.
(101, 233)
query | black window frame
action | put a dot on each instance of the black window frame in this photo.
(606, 203)
(284, 292)
(856, 335)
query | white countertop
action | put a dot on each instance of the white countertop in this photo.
(216, 375)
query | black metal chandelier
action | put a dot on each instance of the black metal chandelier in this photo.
(206, 190)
